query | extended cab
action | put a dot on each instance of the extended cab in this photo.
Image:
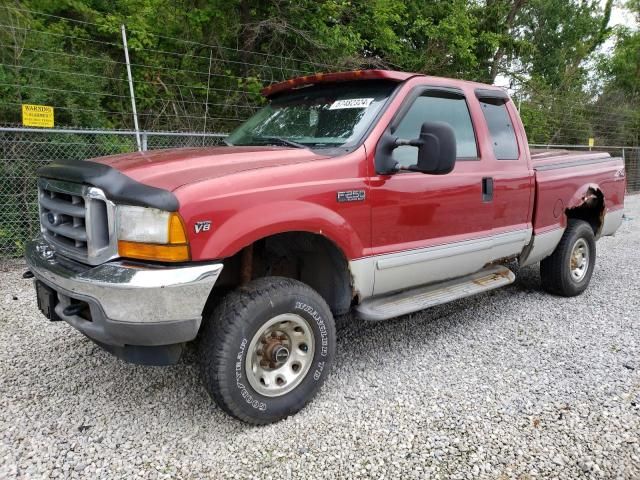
(377, 192)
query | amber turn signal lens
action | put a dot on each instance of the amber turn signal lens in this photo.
(155, 252)
(177, 233)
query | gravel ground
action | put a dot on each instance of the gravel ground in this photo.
(511, 384)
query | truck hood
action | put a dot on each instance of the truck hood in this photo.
(171, 169)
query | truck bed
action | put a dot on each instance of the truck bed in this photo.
(566, 179)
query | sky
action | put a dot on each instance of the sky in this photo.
(620, 16)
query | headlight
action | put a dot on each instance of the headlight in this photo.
(151, 234)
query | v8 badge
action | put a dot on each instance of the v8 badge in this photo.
(203, 226)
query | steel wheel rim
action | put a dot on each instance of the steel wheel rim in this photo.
(268, 371)
(579, 260)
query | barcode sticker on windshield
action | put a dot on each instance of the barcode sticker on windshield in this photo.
(351, 103)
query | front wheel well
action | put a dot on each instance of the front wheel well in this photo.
(310, 258)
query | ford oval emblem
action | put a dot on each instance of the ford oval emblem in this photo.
(51, 218)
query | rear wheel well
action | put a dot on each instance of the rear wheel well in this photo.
(307, 257)
(591, 210)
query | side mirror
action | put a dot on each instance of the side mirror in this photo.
(436, 150)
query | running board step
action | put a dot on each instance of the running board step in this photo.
(409, 301)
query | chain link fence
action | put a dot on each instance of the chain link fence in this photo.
(632, 166)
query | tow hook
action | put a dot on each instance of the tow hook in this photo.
(73, 309)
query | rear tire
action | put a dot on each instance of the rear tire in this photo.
(267, 349)
(568, 270)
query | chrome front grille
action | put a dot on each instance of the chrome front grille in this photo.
(77, 220)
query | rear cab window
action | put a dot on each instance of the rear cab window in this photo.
(503, 135)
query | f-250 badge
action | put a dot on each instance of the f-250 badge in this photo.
(351, 196)
(203, 226)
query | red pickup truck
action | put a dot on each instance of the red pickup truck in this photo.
(377, 192)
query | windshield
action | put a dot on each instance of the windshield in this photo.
(316, 117)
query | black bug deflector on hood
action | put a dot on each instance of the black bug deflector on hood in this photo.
(117, 187)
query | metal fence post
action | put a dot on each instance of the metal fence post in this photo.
(144, 141)
(133, 98)
(206, 102)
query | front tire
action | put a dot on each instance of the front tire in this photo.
(568, 270)
(267, 349)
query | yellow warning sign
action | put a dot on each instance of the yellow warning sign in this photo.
(37, 116)
(592, 142)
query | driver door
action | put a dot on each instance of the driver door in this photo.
(428, 228)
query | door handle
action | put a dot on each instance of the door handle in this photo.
(487, 189)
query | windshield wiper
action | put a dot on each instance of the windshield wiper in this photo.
(283, 141)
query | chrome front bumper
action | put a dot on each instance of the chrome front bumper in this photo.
(130, 303)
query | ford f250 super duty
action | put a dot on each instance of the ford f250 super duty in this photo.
(376, 192)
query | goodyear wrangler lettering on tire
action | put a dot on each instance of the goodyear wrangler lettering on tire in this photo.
(323, 329)
(239, 364)
(323, 335)
(318, 372)
(243, 390)
(267, 349)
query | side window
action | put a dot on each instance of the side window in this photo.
(503, 136)
(430, 108)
